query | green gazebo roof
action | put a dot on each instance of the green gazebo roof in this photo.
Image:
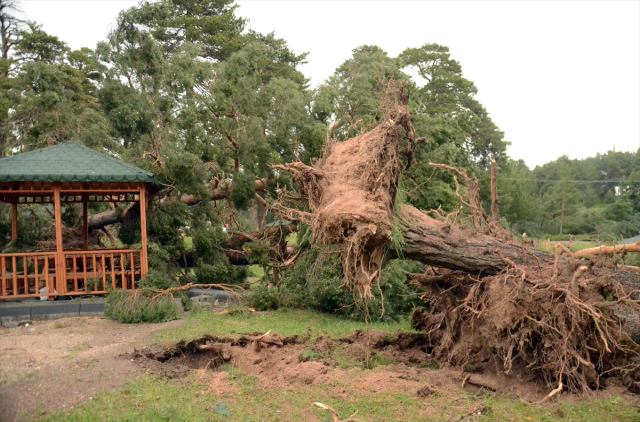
(69, 162)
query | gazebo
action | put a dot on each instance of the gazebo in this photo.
(71, 173)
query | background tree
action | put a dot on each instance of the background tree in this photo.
(52, 96)
(9, 35)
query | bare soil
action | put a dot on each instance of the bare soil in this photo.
(294, 362)
(65, 362)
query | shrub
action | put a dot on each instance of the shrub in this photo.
(157, 280)
(130, 307)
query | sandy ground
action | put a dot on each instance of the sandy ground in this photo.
(64, 362)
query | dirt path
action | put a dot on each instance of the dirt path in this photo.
(65, 362)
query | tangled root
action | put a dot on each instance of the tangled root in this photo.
(559, 324)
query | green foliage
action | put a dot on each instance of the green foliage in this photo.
(37, 46)
(184, 90)
(257, 251)
(316, 283)
(532, 200)
(131, 307)
(34, 226)
(242, 190)
(397, 237)
(157, 280)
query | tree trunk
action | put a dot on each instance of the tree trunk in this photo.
(495, 211)
(562, 215)
(457, 248)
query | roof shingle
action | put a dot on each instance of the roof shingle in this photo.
(69, 162)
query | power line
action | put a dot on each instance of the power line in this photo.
(570, 181)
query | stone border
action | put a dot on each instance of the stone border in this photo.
(13, 314)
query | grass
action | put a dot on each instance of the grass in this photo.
(575, 246)
(285, 322)
(153, 398)
(256, 271)
(76, 350)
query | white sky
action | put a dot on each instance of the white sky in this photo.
(557, 77)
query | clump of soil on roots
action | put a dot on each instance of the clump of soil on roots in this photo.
(352, 190)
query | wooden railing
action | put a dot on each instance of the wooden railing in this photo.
(90, 272)
(24, 274)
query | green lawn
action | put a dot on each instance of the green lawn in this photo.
(256, 271)
(156, 399)
(285, 322)
(576, 246)
(153, 398)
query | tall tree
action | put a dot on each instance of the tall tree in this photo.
(51, 97)
(561, 196)
(9, 27)
(203, 116)
(9, 30)
(448, 107)
(211, 25)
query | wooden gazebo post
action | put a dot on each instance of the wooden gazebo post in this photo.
(60, 261)
(144, 264)
(14, 221)
(85, 221)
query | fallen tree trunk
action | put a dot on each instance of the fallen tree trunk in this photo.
(607, 250)
(508, 307)
(458, 248)
(109, 217)
(435, 243)
(232, 247)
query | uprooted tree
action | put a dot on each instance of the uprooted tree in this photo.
(209, 112)
(493, 304)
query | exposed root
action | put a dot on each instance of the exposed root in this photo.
(336, 415)
(554, 323)
(479, 217)
(552, 393)
(258, 341)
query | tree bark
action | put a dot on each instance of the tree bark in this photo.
(457, 248)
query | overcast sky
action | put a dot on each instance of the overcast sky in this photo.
(557, 77)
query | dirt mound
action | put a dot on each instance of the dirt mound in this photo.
(282, 361)
(403, 362)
